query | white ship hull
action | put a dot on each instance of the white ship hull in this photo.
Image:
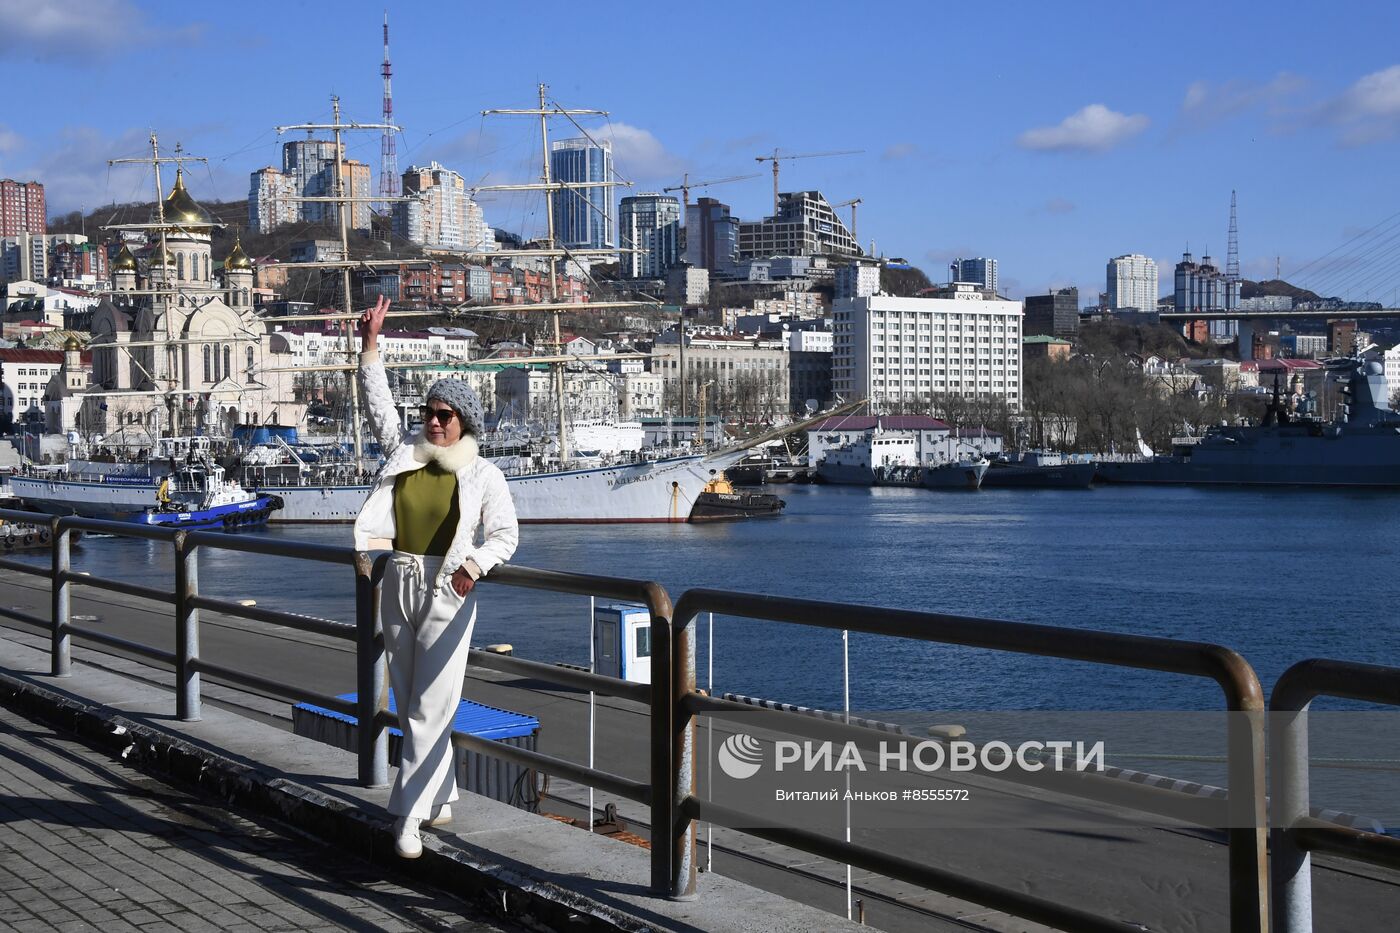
(660, 491)
(93, 500)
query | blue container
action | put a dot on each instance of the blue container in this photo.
(476, 772)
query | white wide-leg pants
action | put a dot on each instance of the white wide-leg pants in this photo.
(427, 632)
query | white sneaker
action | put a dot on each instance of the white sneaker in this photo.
(442, 815)
(407, 842)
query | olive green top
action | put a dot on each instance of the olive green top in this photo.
(425, 510)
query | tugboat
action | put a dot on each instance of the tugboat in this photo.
(718, 502)
(198, 496)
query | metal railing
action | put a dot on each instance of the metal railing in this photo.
(1295, 834)
(370, 708)
(674, 702)
(1248, 859)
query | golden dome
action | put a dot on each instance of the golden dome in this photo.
(182, 209)
(72, 343)
(125, 262)
(162, 256)
(237, 259)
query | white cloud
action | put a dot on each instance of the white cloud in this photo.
(1093, 129)
(1205, 104)
(68, 30)
(640, 157)
(9, 140)
(899, 151)
(75, 173)
(1369, 110)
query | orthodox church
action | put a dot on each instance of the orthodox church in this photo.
(178, 349)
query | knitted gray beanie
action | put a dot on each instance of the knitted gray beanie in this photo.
(462, 399)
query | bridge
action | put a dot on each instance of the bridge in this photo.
(1248, 320)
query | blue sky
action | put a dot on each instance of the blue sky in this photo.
(1049, 136)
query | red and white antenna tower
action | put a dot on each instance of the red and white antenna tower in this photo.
(388, 156)
(1232, 254)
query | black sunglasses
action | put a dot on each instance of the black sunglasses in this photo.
(444, 416)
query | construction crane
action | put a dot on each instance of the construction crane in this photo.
(686, 184)
(853, 203)
(775, 158)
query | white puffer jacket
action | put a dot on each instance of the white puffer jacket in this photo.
(483, 499)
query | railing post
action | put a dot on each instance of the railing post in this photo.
(370, 672)
(1248, 816)
(60, 650)
(683, 865)
(1291, 865)
(186, 628)
(662, 767)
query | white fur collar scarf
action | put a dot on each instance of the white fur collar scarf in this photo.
(452, 459)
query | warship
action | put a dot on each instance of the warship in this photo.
(1292, 446)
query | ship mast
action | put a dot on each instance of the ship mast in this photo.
(342, 203)
(167, 286)
(553, 283)
(552, 249)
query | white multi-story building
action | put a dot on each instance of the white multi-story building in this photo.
(478, 235)
(1391, 362)
(911, 349)
(439, 211)
(527, 394)
(746, 372)
(1132, 283)
(24, 256)
(270, 203)
(24, 377)
(308, 347)
(640, 395)
(860, 278)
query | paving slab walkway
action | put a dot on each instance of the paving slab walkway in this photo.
(90, 843)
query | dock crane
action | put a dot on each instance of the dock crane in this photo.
(853, 203)
(775, 158)
(686, 184)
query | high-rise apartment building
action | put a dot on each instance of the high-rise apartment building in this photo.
(24, 258)
(650, 223)
(711, 235)
(308, 170)
(478, 235)
(1053, 315)
(22, 208)
(980, 271)
(859, 278)
(1201, 286)
(270, 203)
(805, 225)
(583, 217)
(1132, 283)
(891, 350)
(439, 211)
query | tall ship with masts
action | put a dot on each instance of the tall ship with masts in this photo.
(215, 371)
(558, 487)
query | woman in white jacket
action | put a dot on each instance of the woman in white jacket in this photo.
(434, 498)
